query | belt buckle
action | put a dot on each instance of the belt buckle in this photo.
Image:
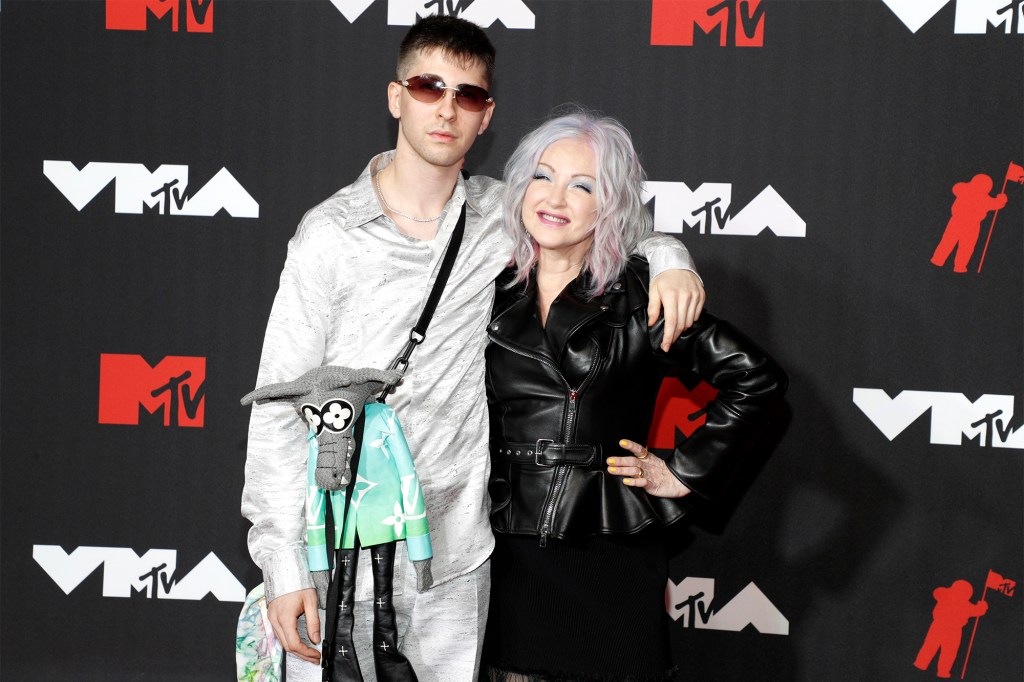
(537, 450)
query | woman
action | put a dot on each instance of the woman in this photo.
(573, 371)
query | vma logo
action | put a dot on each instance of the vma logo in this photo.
(678, 409)
(739, 23)
(175, 385)
(986, 420)
(125, 573)
(133, 15)
(972, 16)
(691, 600)
(709, 210)
(164, 191)
(511, 13)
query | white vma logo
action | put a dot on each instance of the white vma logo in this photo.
(972, 16)
(691, 600)
(987, 419)
(707, 209)
(165, 189)
(511, 13)
(153, 574)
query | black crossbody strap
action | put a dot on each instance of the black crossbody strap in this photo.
(419, 332)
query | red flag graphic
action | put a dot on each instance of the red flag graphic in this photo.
(1000, 584)
(1015, 173)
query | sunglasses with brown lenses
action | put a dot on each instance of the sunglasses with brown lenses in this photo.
(430, 89)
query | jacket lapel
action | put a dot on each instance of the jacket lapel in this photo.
(518, 323)
(569, 313)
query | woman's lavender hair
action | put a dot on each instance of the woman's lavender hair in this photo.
(622, 219)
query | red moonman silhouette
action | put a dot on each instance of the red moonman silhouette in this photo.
(953, 608)
(971, 206)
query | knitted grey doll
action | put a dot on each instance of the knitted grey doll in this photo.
(331, 400)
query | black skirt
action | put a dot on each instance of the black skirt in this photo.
(588, 610)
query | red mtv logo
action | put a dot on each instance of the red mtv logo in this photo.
(739, 22)
(132, 15)
(678, 408)
(175, 385)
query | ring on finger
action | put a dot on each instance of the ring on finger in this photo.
(647, 453)
(639, 472)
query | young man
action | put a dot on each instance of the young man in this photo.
(357, 272)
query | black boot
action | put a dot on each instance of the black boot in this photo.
(390, 663)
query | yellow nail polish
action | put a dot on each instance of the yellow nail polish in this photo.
(628, 481)
(612, 469)
(611, 460)
(623, 443)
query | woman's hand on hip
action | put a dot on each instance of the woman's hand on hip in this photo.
(640, 470)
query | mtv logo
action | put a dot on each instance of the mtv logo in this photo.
(692, 598)
(738, 22)
(133, 15)
(175, 385)
(511, 13)
(678, 408)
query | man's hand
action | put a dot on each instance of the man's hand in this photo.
(681, 294)
(284, 614)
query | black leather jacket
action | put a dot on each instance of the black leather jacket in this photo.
(562, 396)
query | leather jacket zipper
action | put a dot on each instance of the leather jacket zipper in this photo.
(568, 436)
(561, 473)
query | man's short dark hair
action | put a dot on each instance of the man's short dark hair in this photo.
(458, 39)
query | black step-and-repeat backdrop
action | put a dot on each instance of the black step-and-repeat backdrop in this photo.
(848, 173)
